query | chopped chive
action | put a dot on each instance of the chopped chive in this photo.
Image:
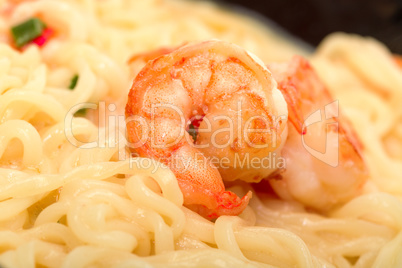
(81, 112)
(73, 82)
(27, 31)
(193, 132)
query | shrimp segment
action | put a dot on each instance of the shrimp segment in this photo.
(240, 112)
(398, 60)
(337, 172)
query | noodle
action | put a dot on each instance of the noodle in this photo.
(71, 195)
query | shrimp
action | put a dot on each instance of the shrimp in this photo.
(324, 163)
(398, 60)
(230, 97)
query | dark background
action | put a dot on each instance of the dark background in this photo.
(312, 20)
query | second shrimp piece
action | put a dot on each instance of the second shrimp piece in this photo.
(324, 164)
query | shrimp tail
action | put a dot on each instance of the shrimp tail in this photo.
(203, 189)
(216, 204)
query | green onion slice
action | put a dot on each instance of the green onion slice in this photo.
(27, 31)
(192, 131)
(81, 112)
(73, 82)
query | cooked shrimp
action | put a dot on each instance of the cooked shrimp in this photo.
(398, 60)
(233, 99)
(324, 167)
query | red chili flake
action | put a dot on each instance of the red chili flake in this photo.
(197, 121)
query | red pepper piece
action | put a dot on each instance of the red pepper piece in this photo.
(41, 40)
